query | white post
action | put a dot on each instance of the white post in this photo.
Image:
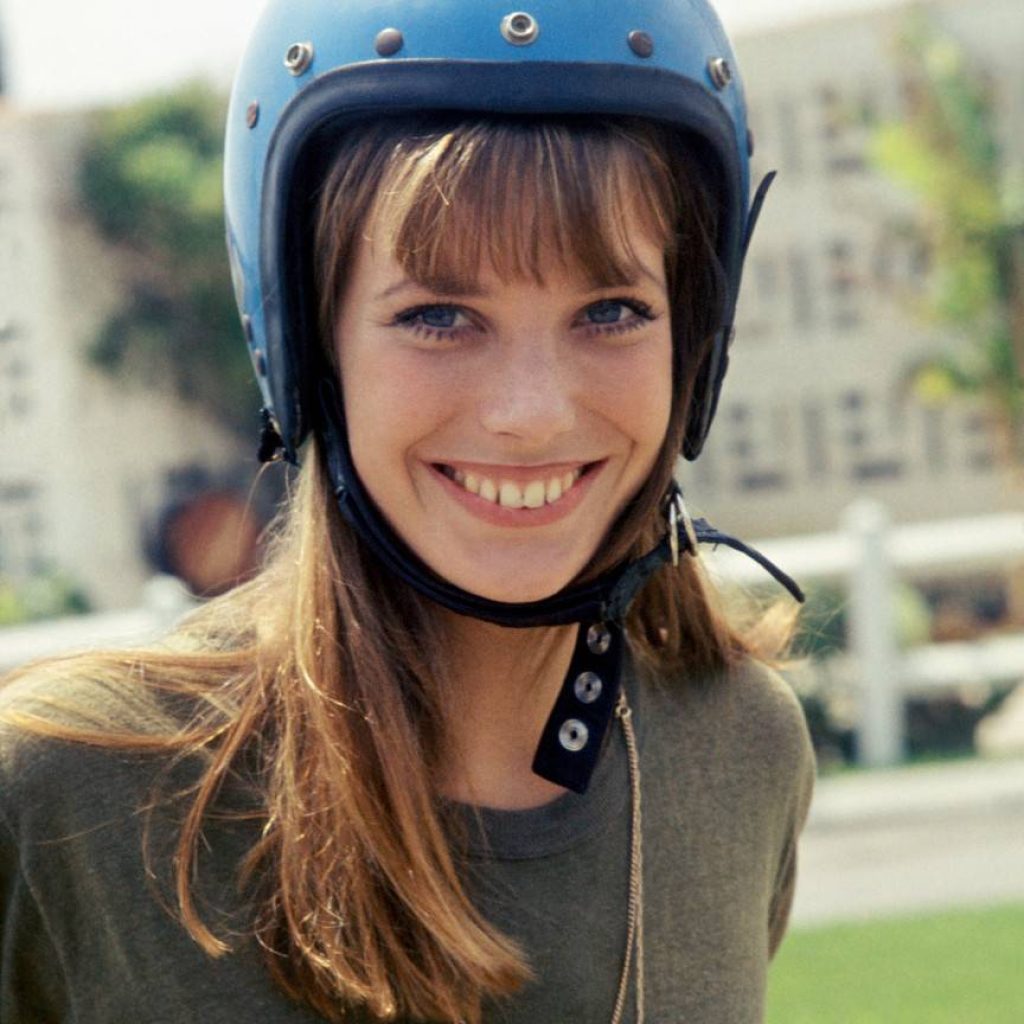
(873, 637)
(167, 599)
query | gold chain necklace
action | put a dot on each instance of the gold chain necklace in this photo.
(635, 907)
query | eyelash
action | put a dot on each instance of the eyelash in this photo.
(409, 319)
(642, 315)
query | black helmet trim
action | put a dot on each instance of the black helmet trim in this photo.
(358, 91)
(708, 387)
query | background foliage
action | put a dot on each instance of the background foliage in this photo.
(150, 180)
(47, 595)
(947, 151)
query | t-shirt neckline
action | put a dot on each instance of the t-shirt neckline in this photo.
(561, 823)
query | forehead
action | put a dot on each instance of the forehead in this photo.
(522, 207)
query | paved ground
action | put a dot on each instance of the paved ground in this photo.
(913, 840)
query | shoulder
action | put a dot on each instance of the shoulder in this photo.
(750, 700)
(771, 724)
(763, 707)
(746, 723)
(64, 690)
(54, 762)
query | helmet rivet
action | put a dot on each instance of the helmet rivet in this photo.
(519, 28)
(388, 42)
(247, 329)
(750, 143)
(640, 43)
(260, 361)
(298, 58)
(252, 114)
(720, 71)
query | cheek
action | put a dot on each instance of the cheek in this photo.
(392, 401)
(636, 394)
(368, 393)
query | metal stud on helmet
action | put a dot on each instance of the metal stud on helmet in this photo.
(313, 66)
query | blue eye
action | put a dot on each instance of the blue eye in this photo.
(435, 320)
(608, 311)
(440, 317)
(616, 316)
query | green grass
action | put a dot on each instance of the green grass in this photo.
(964, 967)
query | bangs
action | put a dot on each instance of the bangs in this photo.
(518, 196)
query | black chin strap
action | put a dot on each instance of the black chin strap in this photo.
(572, 738)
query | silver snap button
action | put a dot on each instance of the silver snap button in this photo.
(588, 687)
(720, 71)
(298, 58)
(573, 735)
(599, 638)
(519, 28)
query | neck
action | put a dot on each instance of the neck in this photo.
(503, 685)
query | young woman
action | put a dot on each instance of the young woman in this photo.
(476, 745)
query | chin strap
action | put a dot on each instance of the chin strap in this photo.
(572, 738)
(573, 735)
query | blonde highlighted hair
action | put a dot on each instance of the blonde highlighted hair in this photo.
(325, 677)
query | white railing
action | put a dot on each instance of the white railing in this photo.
(865, 556)
(164, 602)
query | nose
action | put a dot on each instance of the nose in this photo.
(529, 393)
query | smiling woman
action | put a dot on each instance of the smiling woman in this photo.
(477, 744)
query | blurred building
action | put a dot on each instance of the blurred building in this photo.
(87, 464)
(815, 410)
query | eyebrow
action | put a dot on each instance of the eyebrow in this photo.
(411, 284)
(475, 291)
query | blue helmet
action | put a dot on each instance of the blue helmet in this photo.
(314, 66)
(310, 66)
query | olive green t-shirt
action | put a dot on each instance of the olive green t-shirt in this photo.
(726, 778)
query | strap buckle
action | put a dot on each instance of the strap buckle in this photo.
(677, 514)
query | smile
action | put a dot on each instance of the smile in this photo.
(547, 489)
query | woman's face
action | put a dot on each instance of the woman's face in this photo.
(503, 430)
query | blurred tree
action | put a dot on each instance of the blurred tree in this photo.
(150, 179)
(46, 595)
(947, 152)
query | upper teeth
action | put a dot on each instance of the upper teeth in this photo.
(512, 495)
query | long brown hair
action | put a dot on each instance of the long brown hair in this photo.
(325, 677)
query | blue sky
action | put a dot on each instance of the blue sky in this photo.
(105, 50)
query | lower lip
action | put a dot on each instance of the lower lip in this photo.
(498, 515)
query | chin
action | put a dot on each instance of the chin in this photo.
(512, 588)
(518, 594)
